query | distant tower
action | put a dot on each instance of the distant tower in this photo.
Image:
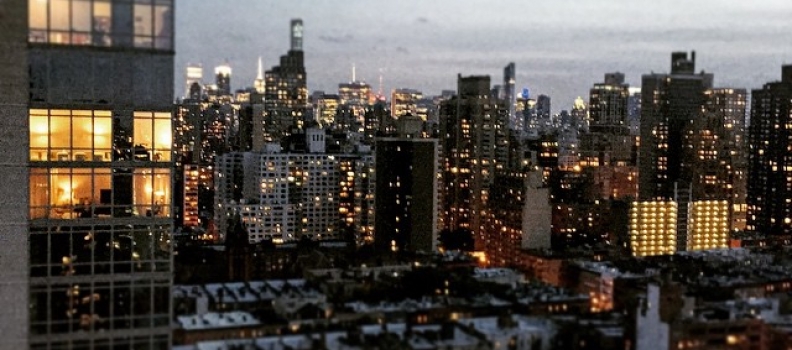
(258, 84)
(192, 76)
(223, 79)
(296, 34)
(543, 106)
(286, 96)
(509, 78)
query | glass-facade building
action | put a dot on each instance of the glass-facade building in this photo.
(98, 172)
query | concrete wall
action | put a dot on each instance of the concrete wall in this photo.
(117, 77)
(14, 144)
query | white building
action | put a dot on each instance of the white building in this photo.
(286, 196)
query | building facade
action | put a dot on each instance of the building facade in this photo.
(770, 164)
(406, 196)
(286, 90)
(283, 197)
(100, 155)
(474, 138)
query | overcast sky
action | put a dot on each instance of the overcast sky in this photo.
(560, 47)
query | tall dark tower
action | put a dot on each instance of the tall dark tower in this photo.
(97, 110)
(406, 195)
(669, 103)
(769, 160)
(509, 79)
(223, 79)
(296, 34)
(543, 107)
(474, 137)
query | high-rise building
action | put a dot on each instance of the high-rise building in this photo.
(355, 93)
(325, 109)
(723, 153)
(770, 164)
(474, 138)
(670, 102)
(543, 107)
(404, 102)
(91, 238)
(283, 197)
(509, 81)
(193, 81)
(223, 80)
(609, 141)
(687, 156)
(609, 150)
(406, 195)
(517, 216)
(286, 90)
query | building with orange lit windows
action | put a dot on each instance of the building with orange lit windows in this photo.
(690, 162)
(770, 165)
(474, 139)
(89, 109)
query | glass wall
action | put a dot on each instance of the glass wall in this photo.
(152, 136)
(117, 23)
(62, 254)
(70, 135)
(73, 193)
(87, 164)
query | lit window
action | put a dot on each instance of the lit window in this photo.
(70, 135)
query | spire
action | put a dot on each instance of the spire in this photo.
(258, 84)
(260, 75)
(353, 73)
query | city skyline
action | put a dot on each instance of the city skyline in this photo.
(559, 49)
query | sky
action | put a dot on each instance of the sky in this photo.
(560, 47)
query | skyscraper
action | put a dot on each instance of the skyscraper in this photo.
(98, 117)
(223, 79)
(509, 80)
(670, 102)
(193, 81)
(770, 163)
(406, 195)
(286, 90)
(608, 150)
(685, 161)
(405, 101)
(474, 138)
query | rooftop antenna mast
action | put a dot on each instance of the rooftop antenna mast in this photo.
(380, 82)
(353, 73)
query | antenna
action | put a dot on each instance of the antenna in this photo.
(380, 82)
(260, 74)
(353, 72)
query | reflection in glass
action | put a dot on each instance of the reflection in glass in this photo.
(102, 23)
